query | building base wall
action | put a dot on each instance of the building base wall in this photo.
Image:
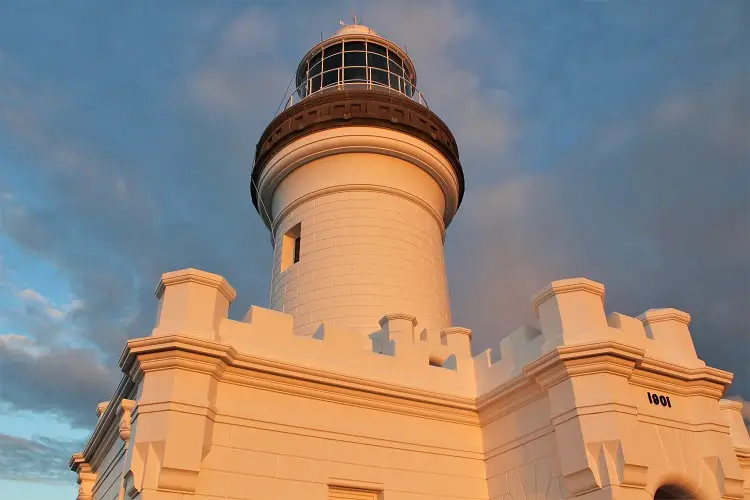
(212, 408)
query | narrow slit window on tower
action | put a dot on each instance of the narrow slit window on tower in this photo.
(296, 249)
(291, 247)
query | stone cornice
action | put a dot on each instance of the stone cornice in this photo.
(78, 463)
(507, 398)
(610, 356)
(597, 357)
(553, 367)
(225, 363)
(705, 381)
(195, 276)
(355, 107)
(86, 476)
(358, 139)
(601, 357)
(107, 427)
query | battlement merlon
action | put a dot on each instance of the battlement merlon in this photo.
(192, 302)
(732, 412)
(670, 326)
(570, 311)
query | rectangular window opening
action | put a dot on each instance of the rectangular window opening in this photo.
(349, 493)
(291, 247)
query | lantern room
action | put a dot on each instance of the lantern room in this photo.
(356, 57)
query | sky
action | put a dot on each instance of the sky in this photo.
(605, 139)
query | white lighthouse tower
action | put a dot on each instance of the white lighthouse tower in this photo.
(358, 180)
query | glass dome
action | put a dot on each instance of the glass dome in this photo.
(355, 57)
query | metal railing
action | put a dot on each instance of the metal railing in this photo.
(396, 84)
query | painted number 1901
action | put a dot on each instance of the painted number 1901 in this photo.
(656, 399)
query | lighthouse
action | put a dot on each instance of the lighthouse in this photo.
(358, 180)
(356, 385)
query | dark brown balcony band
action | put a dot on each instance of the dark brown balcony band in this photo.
(367, 107)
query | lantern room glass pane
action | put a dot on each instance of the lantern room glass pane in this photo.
(395, 58)
(315, 84)
(396, 70)
(395, 82)
(332, 62)
(354, 46)
(330, 77)
(379, 76)
(355, 74)
(354, 59)
(333, 49)
(315, 69)
(315, 59)
(376, 49)
(377, 61)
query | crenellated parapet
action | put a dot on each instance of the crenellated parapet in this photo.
(571, 379)
(571, 312)
(195, 304)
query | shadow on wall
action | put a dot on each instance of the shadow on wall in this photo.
(673, 492)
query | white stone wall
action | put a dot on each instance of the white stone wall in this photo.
(521, 453)
(268, 445)
(366, 250)
(109, 472)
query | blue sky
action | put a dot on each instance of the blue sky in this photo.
(604, 139)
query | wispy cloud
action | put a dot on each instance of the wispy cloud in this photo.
(53, 311)
(442, 38)
(40, 458)
(239, 74)
(33, 295)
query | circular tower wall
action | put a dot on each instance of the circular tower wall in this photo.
(357, 186)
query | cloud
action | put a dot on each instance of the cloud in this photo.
(441, 37)
(655, 206)
(33, 295)
(66, 383)
(39, 459)
(109, 216)
(239, 73)
(40, 301)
